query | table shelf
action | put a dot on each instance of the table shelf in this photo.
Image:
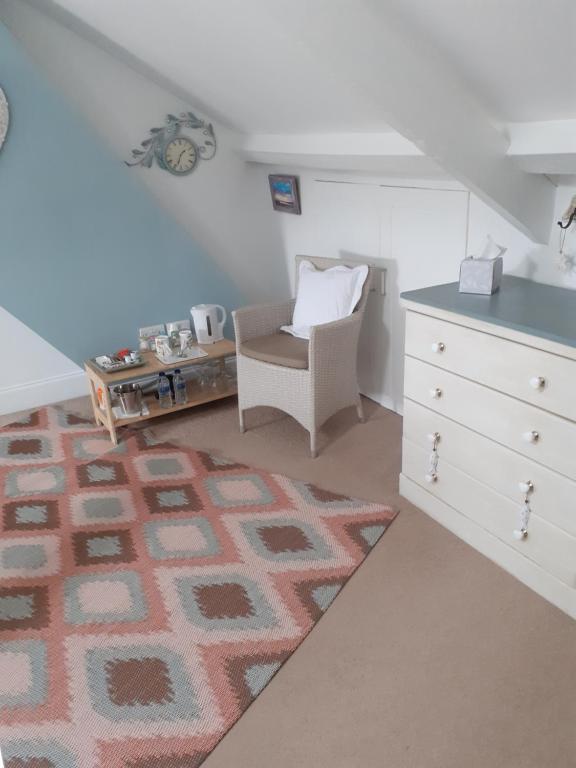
(100, 380)
(193, 400)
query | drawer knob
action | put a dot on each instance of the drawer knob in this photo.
(436, 394)
(431, 477)
(538, 382)
(434, 438)
(438, 346)
(531, 437)
(526, 487)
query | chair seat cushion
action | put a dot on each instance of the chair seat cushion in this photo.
(279, 349)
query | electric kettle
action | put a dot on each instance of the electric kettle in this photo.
(206, 323)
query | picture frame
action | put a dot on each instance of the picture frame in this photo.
(285, 193)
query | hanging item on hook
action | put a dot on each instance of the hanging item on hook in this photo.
(567, 261)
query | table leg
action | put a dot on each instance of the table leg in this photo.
(110, 416)
(93, 397)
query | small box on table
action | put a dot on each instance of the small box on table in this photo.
(481, 275)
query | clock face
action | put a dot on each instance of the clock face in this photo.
(180, 156)
(4, 118)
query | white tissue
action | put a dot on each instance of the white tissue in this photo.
(491, 249)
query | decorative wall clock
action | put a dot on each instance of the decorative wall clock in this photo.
(4, 116)
(176, 151)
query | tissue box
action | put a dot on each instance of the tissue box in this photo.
(481, 275)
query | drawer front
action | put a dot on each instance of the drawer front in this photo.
(546, 545)
(553, 497)
(537, 377)
(539, 435)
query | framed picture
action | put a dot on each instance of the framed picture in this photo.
(285, 194)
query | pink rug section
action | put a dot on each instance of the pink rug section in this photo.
(149, 593)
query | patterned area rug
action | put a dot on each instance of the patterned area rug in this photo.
(148, 593)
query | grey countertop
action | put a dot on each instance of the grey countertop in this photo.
(526, 306)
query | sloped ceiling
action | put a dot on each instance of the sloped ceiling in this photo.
(447, 75)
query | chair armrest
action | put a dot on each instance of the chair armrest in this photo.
(261, 320)
(335, 344)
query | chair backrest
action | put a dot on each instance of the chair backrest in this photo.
(321, 262)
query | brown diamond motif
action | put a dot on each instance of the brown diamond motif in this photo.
(24, 446)
(24, 608)
(32, 515)
(284, 538)
(103, 547)
(142, 682)
(163, 499)
(224, 601)
(101, 473)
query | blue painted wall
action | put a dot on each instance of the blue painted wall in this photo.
(86, 254)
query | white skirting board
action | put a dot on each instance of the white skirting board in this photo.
(33, 394)
(493, 548)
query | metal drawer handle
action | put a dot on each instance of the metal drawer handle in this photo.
(531, 437)
(521, 532)
(432, 475)
(436, 393)
(438, 346)
(538, 382)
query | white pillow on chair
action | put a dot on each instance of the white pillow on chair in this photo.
(325, 295)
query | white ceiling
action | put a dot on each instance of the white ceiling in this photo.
(239, 60)
(252, 62)
(518, 56)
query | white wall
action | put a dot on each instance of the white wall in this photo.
(36, 373)
(525, 258)
(418, 231)
(417, 234)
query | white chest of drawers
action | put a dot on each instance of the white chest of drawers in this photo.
(489, 444)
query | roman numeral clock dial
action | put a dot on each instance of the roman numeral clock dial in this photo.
(180, 156)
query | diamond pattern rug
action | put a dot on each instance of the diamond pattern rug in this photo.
(148, 593)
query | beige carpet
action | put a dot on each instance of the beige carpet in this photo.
(432, 657)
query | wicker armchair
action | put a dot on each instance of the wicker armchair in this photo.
(310, 380)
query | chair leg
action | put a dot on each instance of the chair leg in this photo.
(313, 449)
(360, 411)
(241, 420)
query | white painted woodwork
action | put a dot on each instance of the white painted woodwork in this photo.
(528, 373)
(546, 544)
(497, 405)
(491, 413)
(512, 560)
(553, 497)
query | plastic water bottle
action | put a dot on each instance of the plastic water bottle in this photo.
(164, 395)
(180, 394)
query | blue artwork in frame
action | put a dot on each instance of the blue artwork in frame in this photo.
(285, 193)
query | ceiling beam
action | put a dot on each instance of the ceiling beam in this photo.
(386, 153)
(423, 99)
(544, 147)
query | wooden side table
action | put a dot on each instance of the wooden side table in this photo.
(99, 379)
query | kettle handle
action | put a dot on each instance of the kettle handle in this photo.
(224, 315)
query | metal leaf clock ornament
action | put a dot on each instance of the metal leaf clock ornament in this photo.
(4, 116)
(174, 151)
